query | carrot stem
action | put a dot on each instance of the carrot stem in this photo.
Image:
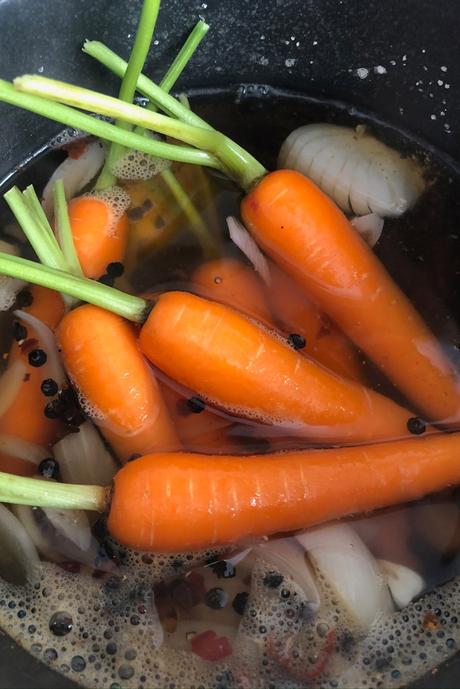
(136, 62)
(182, 59)
(31, 491)
(125, 305)
(188, 208)
(64, 231)
(239, 165)
(163, 100)
(104, 130)
(42, 240)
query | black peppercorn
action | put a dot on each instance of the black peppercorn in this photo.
(37, 358)
(239, 602)
(297, 341)
(416, 426)
(49, 468)
(196, 405)
(115, 269)
(49, 387)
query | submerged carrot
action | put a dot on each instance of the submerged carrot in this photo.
(231, 282)
(296, 224)
(228, 360)
(297, 314)
(25, 417)
(99, 237)
(236, 498)
(103, 360)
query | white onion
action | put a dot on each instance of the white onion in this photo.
(369, 227)
(76, 173)
(19, 561)
(287, 556)
(361, 174)
(17, 447)
(345, 562)
(243, 240)
(404, 583)
(10, 384)
(83, 458)
(48, 340)
(59, 534)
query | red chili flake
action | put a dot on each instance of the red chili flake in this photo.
(209, 646)
(196, 582)
(76, 149)
(29, 345)
(283, 656)
(26, 378)
(430, 622)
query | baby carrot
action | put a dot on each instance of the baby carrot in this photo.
(295, 313)
(231, 282)
(235, 498)
(103, 361)
(25, 417)
(312, 240)
(99, 236)
(231, 362)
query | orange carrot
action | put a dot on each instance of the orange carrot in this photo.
(231, 282)
(297, 314)
(25, 417)
(103, 361)
(296, 224)
(99, 237)
(230, 361)
(179, 502)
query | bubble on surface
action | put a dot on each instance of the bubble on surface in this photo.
(118, 201)
(138, 166)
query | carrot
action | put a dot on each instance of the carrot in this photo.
(25, 417)
(296, 224)
(295, 313)
(99, 236)
(230, 361)
(102, 358)
(235, 498)
(179, 502)
(231, 282)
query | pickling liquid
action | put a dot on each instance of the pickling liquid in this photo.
(246, 618)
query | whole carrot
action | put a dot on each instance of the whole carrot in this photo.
(295, 313)
(176, 502)
(231, 282)
(312, 240)
(25, 417)
(120, 393)
(99, 235)
(238, 498)
(235, 364)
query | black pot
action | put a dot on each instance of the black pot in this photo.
(313, 46)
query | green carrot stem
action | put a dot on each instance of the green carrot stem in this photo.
(238, 163)
(103, 130)
(36, 209)
(146, 86)
(136, 62)
(44, 244)
(31, 491)
(125, 305)
(64, 230)
(182, 59)
(185, 203)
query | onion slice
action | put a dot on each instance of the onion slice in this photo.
(17, 447)
(370, 227)
(10, 384)
(19, 561)
(83, 458)
(48, 340)
(359, 172)
(76, 173)
(339, 554)
(404, 583)
(243, 240)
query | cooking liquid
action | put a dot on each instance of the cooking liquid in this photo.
(200, 620)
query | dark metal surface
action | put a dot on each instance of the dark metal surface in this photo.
(397, 59)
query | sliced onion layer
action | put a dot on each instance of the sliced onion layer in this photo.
(19, 561)
(83, 458)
